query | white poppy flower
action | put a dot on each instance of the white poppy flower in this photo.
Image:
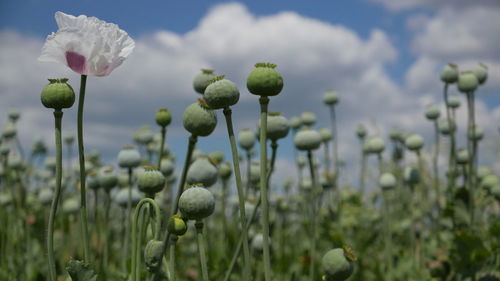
(87, 45)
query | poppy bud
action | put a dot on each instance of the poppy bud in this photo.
(264, 80)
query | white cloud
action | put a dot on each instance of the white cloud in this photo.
(398, 5)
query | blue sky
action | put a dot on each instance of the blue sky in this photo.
(382, 56)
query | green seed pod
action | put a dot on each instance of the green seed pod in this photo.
(45, 196)
(163, 117)
(489, 181)
(176, 225)
(38, 147)
(477, 133)
(432, 112)
(151, 181)
(330, 97)
(483, 171)
(199, 119)
(71, 206)
(201, 80)
(217, 157)
(277, 126)
(295, 122)
(446, 127)
(58, 94)
(337, 265)
(167, 167)
(9, 130)
(387, 181)
(221, 93)
(301, 161)
(453, 101)
(264, 80)
(92, 180)
(375, 145)
(121, 197)
(152, 255)
(450, 73)
(258, 243)
(411, 175)
(481, 72)
(467, 82)
(107, 177)
(225, 170)
(326, 135)
(327, 180)
(414, 142)
(246, 139)
(143, 135)
(13, 114)
(202, 171)
(129, 157)
(308, 118)
(5, 199)
(196, 203)
(462, 156)
(50, 162)
(361, 131)
(254, 173)
(307, 139)
(306, 184)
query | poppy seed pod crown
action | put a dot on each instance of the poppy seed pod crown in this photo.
(202, 171)
(201, 80)
(58, 94)
(449, 74)
(453, 101)
(150, 181)
(277, 126)
(308, 118)
(196, 203)
(361, 131)
(129, 157)
(467, 82)
(221, 93)
(246, 139)
(414, 142)
(432, 112)
(199, 119)
(481, 72)
(336, 265)
(326, 135)
(387, 181)
(375, 145)
(107, 178)
(307, 139)
(163, 117)
(264, 80)
(330, 97)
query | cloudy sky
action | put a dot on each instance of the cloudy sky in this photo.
(382, 56)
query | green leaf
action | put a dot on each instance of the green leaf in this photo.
(80, 271)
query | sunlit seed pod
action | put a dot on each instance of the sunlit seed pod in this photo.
(13, 114)
(258, 243)
(411, 175)
(264, 80)
(167, 167)
(201, 80)
(197, 153)
(387, 181)
(308, 118)
(449, 74)
(481, 72)
(152, 255)
(414, 142)
(196, 203)
(476, 134)
(361, 131)
(45, 196)
(336, 266)
(58, 94)
(432, 112)
(225, 170)
(467, 82)
(446, 127)
(217, 157)
(151, 181)
(121, 197)
(221, 93)
(246, 139)
(307, 139)
(277, 126)
(453, 101)
(71, 206)
(129, 157)
(202, 171)
(163, 117)
(176, 225)
(326, 135)
(107, 178)
(462, 156)
(483, 171)
(9, 130)
(199, 120)
(375, 145)
(331, 97)
(306, 184)
(489, 181)
(295, 122)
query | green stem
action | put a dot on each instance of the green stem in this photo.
(335, 146)
(241, 193)
(472, 147)
(81, 153)
(58, 114)
(249, 164)
(435, 162)
(173, 242)
(326, 159)
(362, 172)
(274, 150)
(388, 238)
(126, 248)
(264, 101)
(162, 145)
(314, 219)
(452, 156)
(201, 249)
(105, 259)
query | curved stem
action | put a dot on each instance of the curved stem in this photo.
(55, 200)
(264, 101)
(81, 154)
(241, 193)
(201, 249)
(314, 218)
(162, 145)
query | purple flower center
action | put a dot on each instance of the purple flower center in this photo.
(76, 62)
